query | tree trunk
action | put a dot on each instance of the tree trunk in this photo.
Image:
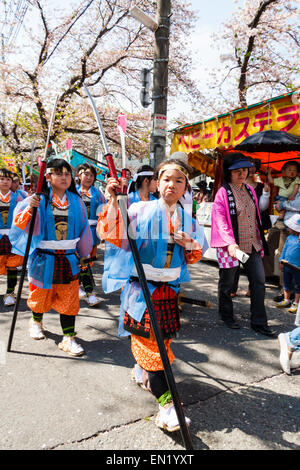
(242, 87)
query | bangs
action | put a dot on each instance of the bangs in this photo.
(57, 164)
(4, 173)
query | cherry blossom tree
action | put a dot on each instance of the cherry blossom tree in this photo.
(260, 47)
(93, 42)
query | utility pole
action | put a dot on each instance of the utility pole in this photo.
(161, 28)
(3, 111)
(158, 136)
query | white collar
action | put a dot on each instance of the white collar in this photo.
(4, 196)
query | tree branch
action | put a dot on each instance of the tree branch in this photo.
(242, 88)
(45, 45)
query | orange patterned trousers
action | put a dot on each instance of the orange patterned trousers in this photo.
(10, 261)
(146, 352)
(64, 298)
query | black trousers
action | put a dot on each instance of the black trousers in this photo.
(158, 383)
(254, 270)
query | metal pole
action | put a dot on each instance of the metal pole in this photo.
(21, 282)
(97, 117)
(160, 83)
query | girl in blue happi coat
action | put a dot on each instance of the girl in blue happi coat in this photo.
(9, 262)
(168, 239)
(143, 185)
(61, 236)
(93, 199)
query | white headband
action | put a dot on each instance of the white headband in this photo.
(173, 166)
(142, 173)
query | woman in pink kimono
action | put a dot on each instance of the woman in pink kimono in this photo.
(236, 224)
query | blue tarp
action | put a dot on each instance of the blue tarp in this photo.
(76, 158)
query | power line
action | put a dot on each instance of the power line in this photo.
(14, 14)
(22, 9)
(69, 28)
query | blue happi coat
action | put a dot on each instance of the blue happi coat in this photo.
(41, 265)
(135, 196)
(15, 198)
(150, 226)
(97, 201)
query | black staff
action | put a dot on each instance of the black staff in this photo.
(188, 300)
(122, 201)
(30, 233)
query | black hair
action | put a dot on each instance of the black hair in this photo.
(228, 161)
(290, 163)
(201, 185)
(87, 166)
(5, 173)
(58, 164)
(256, 163)
(127, 169)
(135, 185)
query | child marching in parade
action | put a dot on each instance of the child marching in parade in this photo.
(61, 234)
(167, 239)
(9, 262)
(93, 198)
(143, 185)
(15, 187)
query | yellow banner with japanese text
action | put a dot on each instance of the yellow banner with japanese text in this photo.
(230, 129)
(9, 163)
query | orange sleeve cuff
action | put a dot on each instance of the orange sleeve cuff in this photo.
(110, 230)
(194, 255)
(22, 219)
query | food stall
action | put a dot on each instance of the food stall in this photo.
(207, 142)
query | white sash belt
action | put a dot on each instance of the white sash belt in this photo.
(159, 274)
(58, 244)
(4, 231)
(93, 221)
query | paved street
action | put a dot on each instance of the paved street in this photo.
(229, 381)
